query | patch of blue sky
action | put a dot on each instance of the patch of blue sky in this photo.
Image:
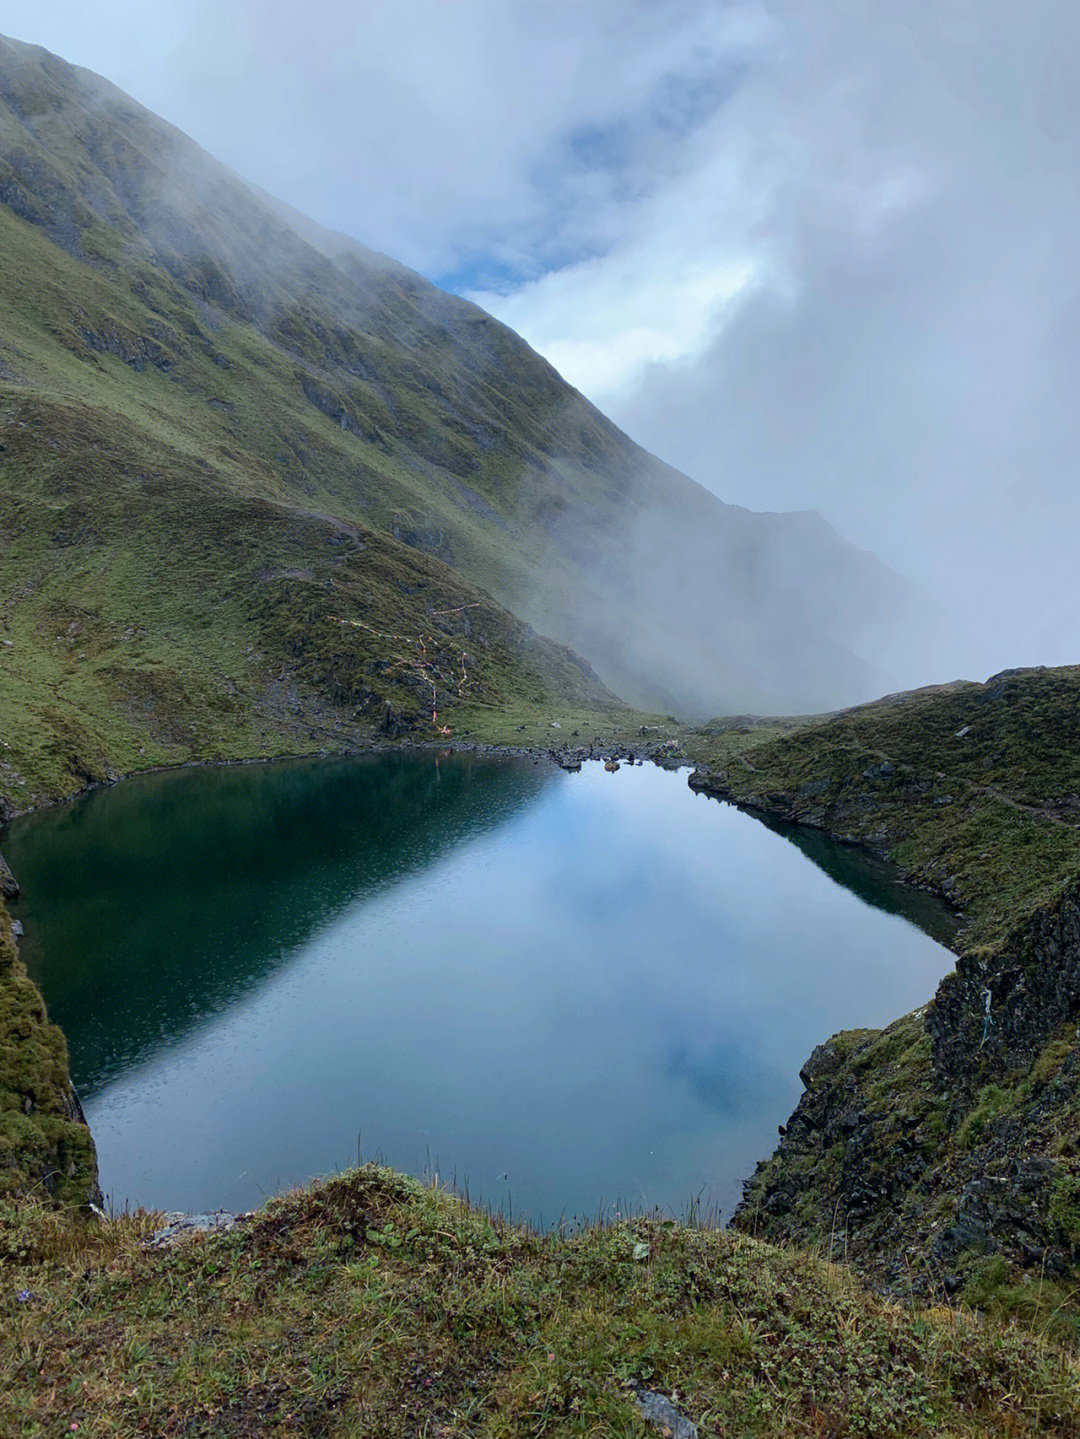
(681, 103)
(489, 273)
(603, 147)
(585, 176)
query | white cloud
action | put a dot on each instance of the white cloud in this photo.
(437, 131)
(602, 324)
(899, 192)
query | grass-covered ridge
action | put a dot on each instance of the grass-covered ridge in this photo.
(149, 615)
(373, 1305)
(973, 789)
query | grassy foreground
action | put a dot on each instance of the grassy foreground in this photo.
(374, 1305)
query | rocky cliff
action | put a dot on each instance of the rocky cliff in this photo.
(45, 1147)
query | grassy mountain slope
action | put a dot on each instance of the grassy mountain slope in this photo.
(143, 279)
(944, 1150)
(149, 617)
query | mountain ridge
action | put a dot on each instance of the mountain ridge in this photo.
(450, 429)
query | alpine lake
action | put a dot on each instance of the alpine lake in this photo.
(572, 996)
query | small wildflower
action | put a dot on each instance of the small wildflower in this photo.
(24, 1295)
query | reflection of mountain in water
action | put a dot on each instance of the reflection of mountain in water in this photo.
(153, 904)
(875, 881)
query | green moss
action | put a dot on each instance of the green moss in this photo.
(1052, 1057)
(995, 1290)
(994, 1100)
(1003, 754)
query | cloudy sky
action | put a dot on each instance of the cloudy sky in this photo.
(817, 253)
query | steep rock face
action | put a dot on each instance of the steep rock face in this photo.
(300, 364)
(9, 885)
(45, 1146)
(918, 1175)
(998, 1009)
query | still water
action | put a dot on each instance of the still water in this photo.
(571, 994)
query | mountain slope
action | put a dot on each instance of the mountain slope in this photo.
(149, 615)
(142, 278)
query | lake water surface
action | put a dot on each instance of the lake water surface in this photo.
(572, 994)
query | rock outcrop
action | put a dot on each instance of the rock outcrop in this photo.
(45, 1145)
(9, 885)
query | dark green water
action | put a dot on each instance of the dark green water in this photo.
(572, 993)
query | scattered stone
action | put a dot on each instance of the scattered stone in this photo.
(17, 928)
(611, 765)
(179, 1227)
(659, 1411)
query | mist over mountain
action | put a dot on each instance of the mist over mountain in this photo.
(150, 293)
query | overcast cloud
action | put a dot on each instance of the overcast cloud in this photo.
(817, 255)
